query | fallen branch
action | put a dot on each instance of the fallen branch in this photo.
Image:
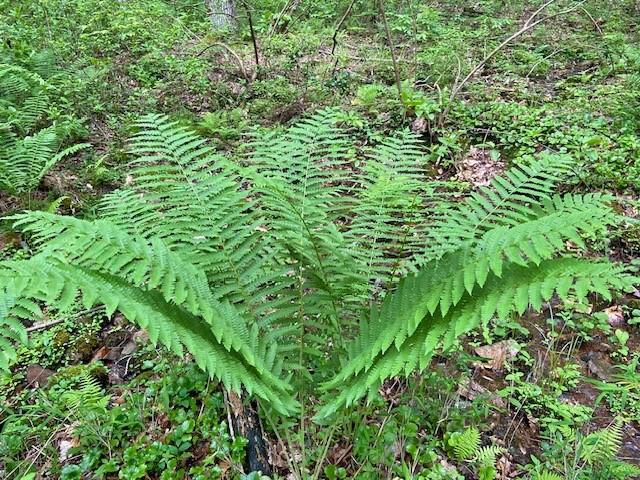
(593, 20)
(230, 51)
(42, 326)
(528, 25)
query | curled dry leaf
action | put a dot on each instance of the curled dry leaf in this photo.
(470, 390)
(497, 354)
(615, 316)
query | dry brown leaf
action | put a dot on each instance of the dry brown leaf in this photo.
(470, 390)
(478, 168)
(101, 353)
(38, 376)
(497, 354)
(615, 316)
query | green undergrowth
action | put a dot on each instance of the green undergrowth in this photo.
(564, 400)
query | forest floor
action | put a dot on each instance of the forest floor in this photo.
(534, 386)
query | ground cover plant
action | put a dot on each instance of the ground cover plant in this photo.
(276, 239)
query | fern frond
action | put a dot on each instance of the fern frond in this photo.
(43, 63)
(622, 470)
(466, 444)
(391, 209)
(486, 457)
(603, 445)
(53, 281)
(16, 81)
(383, 349)
(24, 92)
(11, 328)
(302, 196)
(25, 161)
(188, 196)
(87, 396)
(546, 475)
(506, 202)
(31, 111)
(101, 246)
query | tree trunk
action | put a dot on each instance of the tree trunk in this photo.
(222, 14)
(246, 423)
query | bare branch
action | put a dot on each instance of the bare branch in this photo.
(339, 26)
(528, 25)
(229, 50)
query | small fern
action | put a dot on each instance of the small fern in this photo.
(601, 446)
(622, 470)
(546, 475)
(466, 444)
(466, 447)
(26, 152)
(88, 396)
(23, 98)
(24, 161)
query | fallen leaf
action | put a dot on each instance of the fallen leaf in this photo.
(419, 125)
(598, 365)
(37, 375)
(101, 353)
(497, 354)
(64, 447)
(129, 348)
(615, 316)
(470, 390)
(141, 337)
(478, 167)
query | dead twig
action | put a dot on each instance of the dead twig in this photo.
(291, 5)
(254, 39)
(339, 26)
(228, 49)
(542, 60)
(42, 326)
(335, 34)
(528, 25)
(595, 24)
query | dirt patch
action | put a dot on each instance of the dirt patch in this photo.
(478, 167)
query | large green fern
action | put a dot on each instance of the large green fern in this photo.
(262, 266)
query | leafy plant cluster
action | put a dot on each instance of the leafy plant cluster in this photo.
(153, 430)
(591, 455)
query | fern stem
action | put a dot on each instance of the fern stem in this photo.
(321, 268)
